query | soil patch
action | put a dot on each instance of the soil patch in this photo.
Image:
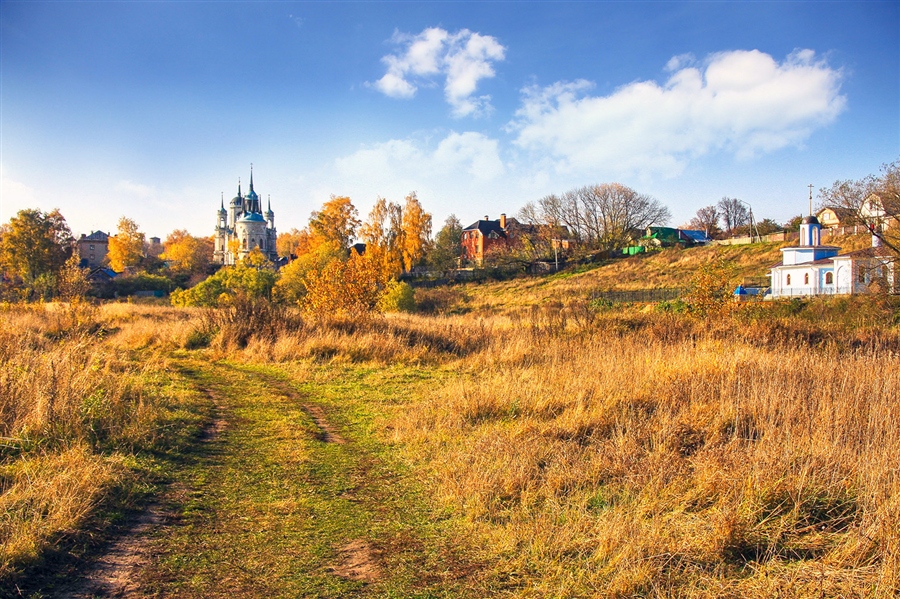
(357, 562)
(113, 575)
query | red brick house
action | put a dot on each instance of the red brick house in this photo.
(481, 236)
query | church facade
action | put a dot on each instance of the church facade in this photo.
(244, 226)
(811, 268)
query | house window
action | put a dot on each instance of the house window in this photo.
(92, 248)
(829, 278)
(245, 243)
(861, 275)
(787, 280)
(806, 279)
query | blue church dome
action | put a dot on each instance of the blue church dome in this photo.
(252, 217)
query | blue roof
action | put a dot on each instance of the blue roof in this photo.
(252, 217)
(695, 236)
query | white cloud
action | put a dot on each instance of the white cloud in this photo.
(463, 59)
(14, 195)
(473, 154)
(744, 103)
(136, 190)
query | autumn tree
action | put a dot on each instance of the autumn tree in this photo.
(35, 244)
(186, 253)
(734, 214)
(256, 259)
(126, 248)
(384, 237)
(873, 201)
(228, 282)
(336, 223)
(343, 289)
(416, 227)
(445, 252)
(294, 243)
(72, 281)
(291, 285)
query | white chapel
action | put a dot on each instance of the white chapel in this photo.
(811, 268)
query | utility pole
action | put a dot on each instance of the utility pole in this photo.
(752, 223)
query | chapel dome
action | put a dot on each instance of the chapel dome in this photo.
(810, 220)
(252, 217)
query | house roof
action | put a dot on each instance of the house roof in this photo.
(488, 226)
(839, 211)
(695, 235)
(95, 236)
(870, 252)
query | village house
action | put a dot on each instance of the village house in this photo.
(831, 217)
(669, 237)
(811, 268)
(480, 236)
(92, 249)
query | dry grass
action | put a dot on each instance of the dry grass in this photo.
(612, 453)
(638, 453)
(75, 399)
(649, 456)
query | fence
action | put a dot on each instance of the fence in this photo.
(662, 294)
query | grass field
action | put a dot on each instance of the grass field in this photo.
(519, 442)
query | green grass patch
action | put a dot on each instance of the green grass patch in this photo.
(267, 508)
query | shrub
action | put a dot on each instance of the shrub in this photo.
(397, 297)
(231, 281)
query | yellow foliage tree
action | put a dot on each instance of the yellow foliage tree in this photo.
(256, 259)
(73, 283)
(186, 253)
(416, 227)
(383, 235)
(343, 289)
(294, 242)
(126, 248)
(336, 222)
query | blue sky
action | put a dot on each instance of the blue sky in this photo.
(152, 110)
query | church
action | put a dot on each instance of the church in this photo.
(811, 268)
(243, 226)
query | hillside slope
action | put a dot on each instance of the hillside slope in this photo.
(671, 268)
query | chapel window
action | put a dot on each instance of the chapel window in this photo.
(829, 278)
(787, 280)
(806, 279)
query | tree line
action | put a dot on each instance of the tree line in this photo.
(38, 258)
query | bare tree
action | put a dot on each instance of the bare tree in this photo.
(733, 213)
(707, 219)
(603, 216)
(873, 201)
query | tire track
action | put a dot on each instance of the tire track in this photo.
(116, 572)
